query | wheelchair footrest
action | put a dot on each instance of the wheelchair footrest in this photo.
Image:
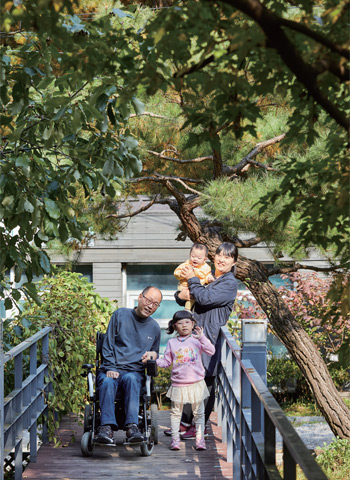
(133, 444)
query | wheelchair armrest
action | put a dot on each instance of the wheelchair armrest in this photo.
(88, 366)
(151, 368)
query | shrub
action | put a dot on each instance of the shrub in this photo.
(75, 312)
(285, 380)
(334, 459)
(162, 384)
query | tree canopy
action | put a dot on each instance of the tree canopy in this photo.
(72, 82)
(225, 59)
(64, 126)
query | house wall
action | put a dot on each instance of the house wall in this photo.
(149, 238)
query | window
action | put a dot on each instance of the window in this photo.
(161, 276)
(85, 270)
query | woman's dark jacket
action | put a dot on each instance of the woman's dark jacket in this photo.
(212, 309)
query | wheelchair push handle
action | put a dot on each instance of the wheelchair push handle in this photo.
(151, 368)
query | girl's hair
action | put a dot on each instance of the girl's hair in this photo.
(229, 250)
(180, 315)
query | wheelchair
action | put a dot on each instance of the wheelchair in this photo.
(148, 413)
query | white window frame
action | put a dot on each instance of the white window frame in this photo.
(132, 295)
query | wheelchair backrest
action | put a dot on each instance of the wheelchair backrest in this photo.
(99, 342)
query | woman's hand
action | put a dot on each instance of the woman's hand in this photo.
(187, 272)
(184, 294)
(198, 332)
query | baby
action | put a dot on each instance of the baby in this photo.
(197, 260)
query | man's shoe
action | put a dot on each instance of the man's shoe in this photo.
(133, 434)
(105, 435)
(191, 433)
(183, 429)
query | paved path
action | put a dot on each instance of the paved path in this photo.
(123, 463)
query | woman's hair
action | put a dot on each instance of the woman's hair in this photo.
(229, 250)
(180, 315)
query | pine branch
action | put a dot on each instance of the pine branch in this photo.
(318, 37)
(271, 24)
(250, 242)
(263, 166)
(248, 159)
(161, 178)
(297, 266)
(181, 181)
(202, 63)
(192, 160)
(135, 212)
(166, 180)
(149, 114)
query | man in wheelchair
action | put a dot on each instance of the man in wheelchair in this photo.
(132, 338)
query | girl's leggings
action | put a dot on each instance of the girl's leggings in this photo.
(175, 418)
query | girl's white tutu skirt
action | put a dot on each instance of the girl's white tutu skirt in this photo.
(197, 392)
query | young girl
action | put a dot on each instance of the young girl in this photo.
(183, 352)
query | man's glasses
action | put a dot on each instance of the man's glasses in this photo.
(149, 302)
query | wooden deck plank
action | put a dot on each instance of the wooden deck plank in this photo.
(123, 463)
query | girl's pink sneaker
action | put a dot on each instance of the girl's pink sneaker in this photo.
(175, 444)
(200, 444)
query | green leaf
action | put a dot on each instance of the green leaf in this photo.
(44, 261)
(139, 107)
(25, 322)
(131, 143)
(28, 207)
(16, 294)
(120, 13)
(101, 102)
(8, 303)
(108, 167)
(63, 232)
(52, 208)
(16, 107)
(60, 113)
(8, 201)
(30, 71)
(45, 82)
(75, 230)
(22, 161)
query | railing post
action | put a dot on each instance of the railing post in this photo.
(45, 359)
(254, 336)
(254, 444)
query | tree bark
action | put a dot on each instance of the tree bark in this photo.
(298, 343)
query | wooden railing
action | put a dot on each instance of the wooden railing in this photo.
(247, 412)
(249, 422)
(21, 409)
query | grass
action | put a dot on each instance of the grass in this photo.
(334, 459)
(300, 409)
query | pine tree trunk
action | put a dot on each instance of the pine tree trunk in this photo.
(298, 343)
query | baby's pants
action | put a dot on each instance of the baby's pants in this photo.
(175, 418)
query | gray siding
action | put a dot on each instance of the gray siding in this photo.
(108, 279)
(150, 238)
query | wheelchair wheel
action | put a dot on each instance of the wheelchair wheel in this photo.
(88, 418)
(86, 445)
(147, 448)
(154, 422)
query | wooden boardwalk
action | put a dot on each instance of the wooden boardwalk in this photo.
(67, 463)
